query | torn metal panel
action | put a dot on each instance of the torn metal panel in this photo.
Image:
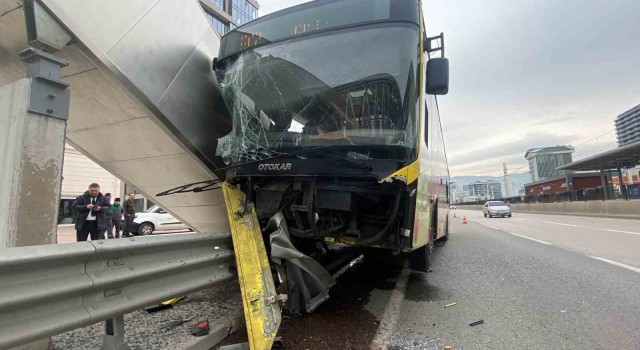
(308, 281)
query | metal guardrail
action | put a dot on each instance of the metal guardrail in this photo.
(49, 289)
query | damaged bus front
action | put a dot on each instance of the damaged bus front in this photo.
(332, 141)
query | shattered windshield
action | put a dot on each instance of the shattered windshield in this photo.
(354, 88)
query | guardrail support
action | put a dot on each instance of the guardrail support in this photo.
(114, 337)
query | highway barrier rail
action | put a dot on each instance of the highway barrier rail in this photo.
(50, 289)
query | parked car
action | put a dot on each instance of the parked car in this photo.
(156, 219)
(496, 208)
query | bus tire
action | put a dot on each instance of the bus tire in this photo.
(420, 259)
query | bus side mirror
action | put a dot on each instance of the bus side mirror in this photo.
(437, 76)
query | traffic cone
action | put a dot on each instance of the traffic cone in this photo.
(454, 214)
(464, 220)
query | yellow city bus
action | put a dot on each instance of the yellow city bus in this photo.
(336, 141)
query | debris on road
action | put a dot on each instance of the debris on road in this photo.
(476, 323)
(450, 305)
(172, 301)
(447, 347)
(156, 308)
(171, 325)
(200, 328)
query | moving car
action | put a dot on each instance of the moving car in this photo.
(156, 219)
(496, 208)
(452, 207)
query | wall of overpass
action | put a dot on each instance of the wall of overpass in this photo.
(614, 209)
(143, 94)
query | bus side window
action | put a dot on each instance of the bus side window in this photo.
(426, 125)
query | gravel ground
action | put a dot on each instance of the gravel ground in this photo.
(142, 328)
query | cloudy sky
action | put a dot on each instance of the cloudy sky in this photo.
(531, 73)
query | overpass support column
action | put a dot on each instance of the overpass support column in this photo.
(605, 194)
(623, 187)
(33, 115)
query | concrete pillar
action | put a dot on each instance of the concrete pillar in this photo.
(605, 191)
(623, 188)
(33, 115)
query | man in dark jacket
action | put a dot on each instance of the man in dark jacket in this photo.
(129, 214)
(90, 218)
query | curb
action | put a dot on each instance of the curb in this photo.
(223, 328)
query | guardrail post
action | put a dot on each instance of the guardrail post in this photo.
(114, 337)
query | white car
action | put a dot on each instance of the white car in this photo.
(496, 208)
(156, 219)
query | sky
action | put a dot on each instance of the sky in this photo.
(527, 74)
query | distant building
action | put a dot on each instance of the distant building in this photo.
(489, 189)
(543, 161)
(574, 186)
(628, 126)
(457, 193)
(226, 15)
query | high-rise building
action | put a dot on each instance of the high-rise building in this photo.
(225, 15)
(543, 161)
(628, 126)
(489, 189)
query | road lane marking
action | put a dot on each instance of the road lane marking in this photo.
(533, 239)
(391, 312)
(559, 223)
(633, 233)
(519, 235)
(635, 269)
(521, 219)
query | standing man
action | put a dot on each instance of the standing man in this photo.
(107, 216)
(90, 208)
(129, 214)
(116, 216)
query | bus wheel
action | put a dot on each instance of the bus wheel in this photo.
(420, 259)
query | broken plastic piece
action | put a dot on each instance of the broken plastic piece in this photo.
(156, 308)
(450, 305)
(476, 323)
(171, 325)
(200, 328)
(172, 301)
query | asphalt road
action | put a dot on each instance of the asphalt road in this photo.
(537, 282)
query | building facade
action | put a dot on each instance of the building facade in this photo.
(78, 171)
(628, 126)
(226, 15)
(543, 161)
(574, 186)
(484, 190)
